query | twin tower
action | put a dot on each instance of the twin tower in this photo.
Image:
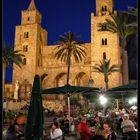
(31, 38)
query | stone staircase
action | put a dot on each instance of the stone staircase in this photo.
(48, 120)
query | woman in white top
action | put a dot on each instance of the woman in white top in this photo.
(56, 132)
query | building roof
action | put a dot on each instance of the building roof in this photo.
(32, 5)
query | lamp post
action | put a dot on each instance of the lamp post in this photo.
(133, 101)
(117, 104)
(103, 101)
(90, 82)
(69, 110)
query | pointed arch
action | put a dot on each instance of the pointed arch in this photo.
(81, 79)
(60, 79)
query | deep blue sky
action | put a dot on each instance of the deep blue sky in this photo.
(58, 16)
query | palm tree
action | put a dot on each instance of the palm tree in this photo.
(9, 56)
(121, 25)
(105, 69)
(69, 48)
(133, 11)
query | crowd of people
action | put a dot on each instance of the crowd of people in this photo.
(14, 132)
(121, 126)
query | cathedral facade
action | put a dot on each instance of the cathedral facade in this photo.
(31, 38)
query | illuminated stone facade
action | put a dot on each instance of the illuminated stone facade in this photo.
(31, 38)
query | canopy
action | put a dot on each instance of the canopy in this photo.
(128, 87)
(69, 89)
(35, 120)
(123, 91)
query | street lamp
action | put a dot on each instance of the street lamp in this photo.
(102, 99)
(133, 100)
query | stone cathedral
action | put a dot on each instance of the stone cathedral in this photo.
(31, 38)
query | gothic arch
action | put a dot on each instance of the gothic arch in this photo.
(60, 79)
(81, 79)
(45, 79)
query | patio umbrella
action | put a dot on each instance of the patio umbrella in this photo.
(128, 87)
(68, 89)
(34, 125)
(127, 90)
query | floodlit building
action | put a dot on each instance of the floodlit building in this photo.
(32, 39)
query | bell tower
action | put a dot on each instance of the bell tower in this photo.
(31, 39)
(104, 6)
(104, 44)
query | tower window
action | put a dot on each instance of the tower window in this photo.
(26, 34)
(102, 8)
(24, 61)
(28, 19)
(104, 55)
(105, 8)
(25, 48)
(104, 41)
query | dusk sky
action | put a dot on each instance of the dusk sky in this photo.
(58, 16)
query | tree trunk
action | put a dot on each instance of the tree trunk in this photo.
(68, 69)
(125, 67)
(3, 83)
(3, 78)
(106, 81)
(124, 64)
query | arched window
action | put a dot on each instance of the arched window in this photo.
(24, 61)
(28, 19)
(104, 55)
(102, 8)
(26, 34)
(105, 41)
(105, 8)
(25, 48)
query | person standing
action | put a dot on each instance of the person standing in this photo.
(97, 123)
(119, 123)
(84, 130)
(128, 128)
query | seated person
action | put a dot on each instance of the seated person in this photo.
(56, 132)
